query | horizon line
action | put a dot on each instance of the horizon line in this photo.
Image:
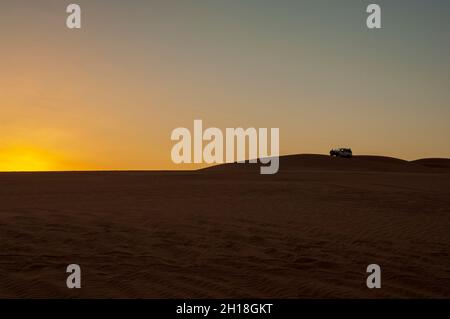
(125, 170)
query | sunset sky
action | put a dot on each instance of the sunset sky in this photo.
(108, 96)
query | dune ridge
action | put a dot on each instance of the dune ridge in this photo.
(359, 162)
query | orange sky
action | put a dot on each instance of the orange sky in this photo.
(109, 95)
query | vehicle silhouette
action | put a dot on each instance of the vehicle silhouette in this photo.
(341, 152)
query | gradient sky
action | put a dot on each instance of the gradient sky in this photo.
(108, 96)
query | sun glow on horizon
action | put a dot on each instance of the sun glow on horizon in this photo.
(30, 159)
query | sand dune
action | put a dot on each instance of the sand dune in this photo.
(307, 232)
(434, 162)
(357, 163)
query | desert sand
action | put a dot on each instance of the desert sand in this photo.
(228, 232)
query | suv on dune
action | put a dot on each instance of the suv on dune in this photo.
(341, 152)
